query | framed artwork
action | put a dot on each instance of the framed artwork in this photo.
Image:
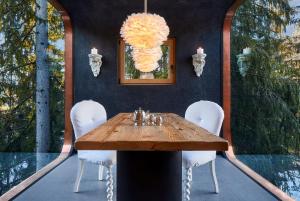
(164, 74)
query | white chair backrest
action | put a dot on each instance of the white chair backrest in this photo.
(87, 115)
(207, 115)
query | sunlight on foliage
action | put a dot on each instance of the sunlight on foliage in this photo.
(17, 76)
(265, 102)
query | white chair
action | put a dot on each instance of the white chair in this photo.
(209, 116)
(86, 116)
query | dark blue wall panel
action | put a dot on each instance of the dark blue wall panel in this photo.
(192, 22)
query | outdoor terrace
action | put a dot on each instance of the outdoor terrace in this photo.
(58, 185)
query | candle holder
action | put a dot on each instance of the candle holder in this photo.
(95, 61)
(199, 62)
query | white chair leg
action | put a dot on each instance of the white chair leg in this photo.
(213, 172)
(188, 183)
(109, 184)
(100, 172)
(79, 175)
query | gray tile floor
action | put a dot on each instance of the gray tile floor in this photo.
(58, 185)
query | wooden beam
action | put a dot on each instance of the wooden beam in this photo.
(226, 70)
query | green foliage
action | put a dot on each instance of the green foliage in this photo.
(162, 71)
(130, 70)
(266, 102)
(17, 76)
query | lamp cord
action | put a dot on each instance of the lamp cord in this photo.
(145, 6)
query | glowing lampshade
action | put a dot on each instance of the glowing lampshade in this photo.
(146, 59)
(145, 33)
(144, 30)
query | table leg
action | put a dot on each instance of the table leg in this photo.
(149, 176)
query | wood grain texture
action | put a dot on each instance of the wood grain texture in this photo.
(175, 134)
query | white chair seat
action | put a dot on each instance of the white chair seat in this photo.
(86, 116)
(209, 116)
(197, 158)
(97, 156)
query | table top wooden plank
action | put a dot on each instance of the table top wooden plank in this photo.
(175, 134)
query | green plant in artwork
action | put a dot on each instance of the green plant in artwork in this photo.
(130, 71)
(162, 72)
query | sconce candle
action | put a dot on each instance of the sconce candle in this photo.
(94, 51)
(95, 61)
(200, 50)
(199, 61)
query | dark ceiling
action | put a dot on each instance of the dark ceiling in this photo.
(85, 7)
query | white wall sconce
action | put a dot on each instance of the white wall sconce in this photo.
(95, 61)
(243, 61)
(199, 61)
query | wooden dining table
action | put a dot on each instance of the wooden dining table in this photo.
(149, 161)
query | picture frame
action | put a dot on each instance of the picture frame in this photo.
(163, 75)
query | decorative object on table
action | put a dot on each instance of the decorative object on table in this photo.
(145, 32)
(243, 61)
(151, 119)
(158, 120)
(164, 74)
(147, 118)
(142, 118)
(139, 117)
(199, 61)
(95, 61)
(155, 120)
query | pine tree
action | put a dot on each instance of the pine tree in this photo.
(266, 102)
(18, 83)
(18, 76)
